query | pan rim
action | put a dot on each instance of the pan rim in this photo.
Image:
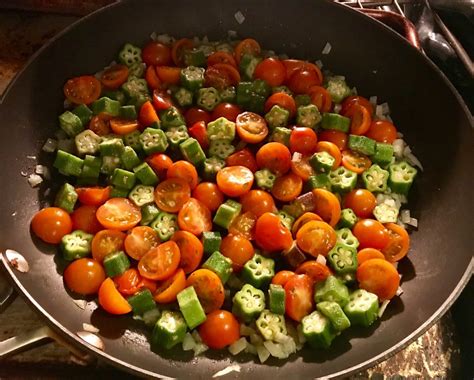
(55, 325)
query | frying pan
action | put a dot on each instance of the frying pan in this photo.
(425, 107)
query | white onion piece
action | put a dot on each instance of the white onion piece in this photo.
(399, 291)
(319, 63)
(263, 353)
(321, 259)
(373, 100)
(383, 307)
(239, 17)
(50, 146)
(90, 328)
(188, 342)
(405, 216)
(327, 48)
(34, 180)
(413, 222)
(238, 346)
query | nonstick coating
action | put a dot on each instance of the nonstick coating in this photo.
(373, 58)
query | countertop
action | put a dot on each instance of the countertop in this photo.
(436, 354)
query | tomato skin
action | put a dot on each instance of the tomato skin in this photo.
(167, 291)
(258, 202)
(161, 262)
(119, 214)
(356, 162)
(194, 115)
(272, 71)
(155, 53)
(178, 49)
(111, 300)
(338, 138)
(168, 75)
(100, 124)
(382, 131)
(371, 234)
(208, 287)
(209, 194)
(361, 201)
(275, 157)
(220, 329)
(140, 240)
(360, 120)
(172, 194)
(244, 225)
(301, 167)
(243, 157)
(160, 163)
(199, 132)
(380, 277)
(303, 140)
(161, 100)
(327, 206)
(287, 187)
(367, 254)
(299, 297)
(283, 100)
(271, 234)
(282, 277)
(235, 181)
(293, 65)
(228, 110)
(251, 127)
(221, 57)
(194, 217)
(316, 238)
(147, 115)
(246, 46)
(83, 218)
(123, 126)
(221, 75)
(303, 219)
(127, 283)
(114, 76)
(84, 276)
(152, 79)
(82, 90)
(51, 224)
(321, 98)
(316, 271)
(350, 101)
(399, 243)
(183, 170)
(191, 250)
(302, 80)
(106, 242)
(238, 249)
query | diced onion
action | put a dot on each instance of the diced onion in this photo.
(232, 33)
(251, 349)
(297, 156)
(411, 158)
(319, 63)
(67, 104)
(66, 145)
(263, 353)
(199, 349)
(164, 39)
(413, 222)
(239, 17)
(327, 48)
(60, 134)
(321, 259)
(196, 336)
(383, 307)
(188, 342)
(373, 100)
(238, 346)
(81, 304)
(405, 216)
(34, 180)
(255, 338)
(398, 147)
(39, 169)
(275, 349)
(31, 157)
(246, 330)
(90, 328)
(50, 146)
(385, 108)
(399, 291)
(226, 370)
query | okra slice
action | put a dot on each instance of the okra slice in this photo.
(346, 237)
(70, 123)
(220, 265)
(208, 98)
(319, 181)
(129, 158)
(261, 87)
(211, 241)
(348, 218)
(302, 100)
(145, 174)
(106, 106)
(66, 198)
(337, 88)
(286, 219)
(276, 299)
(322, 162)
(176, 135)
(270, 325)
(349, 279)
(336, 122)
(220, 129)
(192, 78)
(247, 65)
(192, 151)
(308, 116)
(183, 97)
(68, 164)
(136, 70)
(128, 112)
(111, 146)
(221, 149)
(228, 94)
(153, 141)
(171, 117)
(281, 135)
(331, 289)
(133, 140)
(141, 302)
(130, 54)
(135, 87)
(84, 113)
(386, 213)
(361, 144)
(142, 194)
(87, 142)
(317, 330)
(190, 307)
(114, 95)
(116, 263)
(226, 213)
(248, 303)
(169, 330)
(283, 89)
(165, 225)
(334, 313)
(343, 259)
(362, 308)
(118, 192)
(277, 117)
(109, 164)
(211, 166)
(256, 104)
(91, 167)
(76, 245)
(383, 154)
(401, 176)
(258, 271)
(244, 93)
(194, 57)
(375, 179)
(149, 213)
(342, 180)
(265, 179)
(123, 179)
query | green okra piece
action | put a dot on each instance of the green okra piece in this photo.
(91, 167)
(375, 179)
(191, 307)
(247, 65)
(76, 245)
(70, 123)
(348, 218)
(401, 177)
(116, 263)
(129, 158)
(283, 89)
(319, 181)
(383, 154)
(133, 140)
(277, 117)
(331, 289)
(317, 330)
(308, 116)
(347, 238)
(258, 271)
(281, 135)
(220, 265)
(149, 213)
(123, 179)
(244, 93)
(248, 303)
(208, 98)
(322, 162)
(153, 141)
(136, 70)
(362, 308)
(114, 95)
(211, 241)
(386, 213)
(335, 121)
(192, 78)
(128, 112)
(145, 174)
(169, 330)
(343, 259)
(171, 117)
(261, 87)
(211, 166)
(226, 213)
(270, 325)
(302, 100)
(84, 113)
(130, 54)
(361, 144)
(192, 151)
(221, 129)
(183, 97)
(87, 142)
(228, 94)
(342, 180)
(165, 225)
(68, 164)
(194, 57)
(142, 195)
(286, 219)
(337, 88)
(66, 198)
(136, 90)
(334, 313)
(276, 299)
(221, 149)
(109, 164)
(142, 301)
(106, 106)
(118, 192)
(265, 179)
(111, 147)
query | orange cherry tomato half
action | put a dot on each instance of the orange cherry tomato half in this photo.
(283, 100)
(220, 329)
(106, 242)
(347, 103)
(356, 162)
(82, 90)
(316, 271)
(221, 75)
(160, 163)
(119, 214)
(194, 217)
(93, 196)
(183, 170)
(235, 181)
(286, 188)
(338, 138)
(321, 98)
(157, 54)
(361, 201)
(167, 291)
(140, 240)
(367, 254)
(152, 79)
(251, 127)
(168, 74)
(316, 238)
(360, 120)
(114, 76)
(111, 300)
(221, 57)
(209, 289)
(327, 206)
(244, 225)
(178, 49)
(83, 218)
(371, 234)
(299, 297)
(275, 157)
(270, 233)
(172, 194)
(301, 167)
(271, 70)
(246, 46)
(147, 115)
(282, 277)
(161, 262)
(303, 219)
(51, 224)
(332, 149)
(127, 283)
(84, 276)
(303, 140)
(380, 277)
(123, 126)
(243, 157)
(399, 244)
(237, 248)
(258, 202)
(100, 124)
(191, 250)
(209, 195)
(382, 131)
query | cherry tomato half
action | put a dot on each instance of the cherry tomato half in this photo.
(234, 181)
(299, 296)
(172, 194)
(82, 90)
(119, 214)
(251, 127)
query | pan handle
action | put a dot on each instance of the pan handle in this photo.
(397, 22)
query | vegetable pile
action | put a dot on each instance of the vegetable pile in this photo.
(228, 197)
